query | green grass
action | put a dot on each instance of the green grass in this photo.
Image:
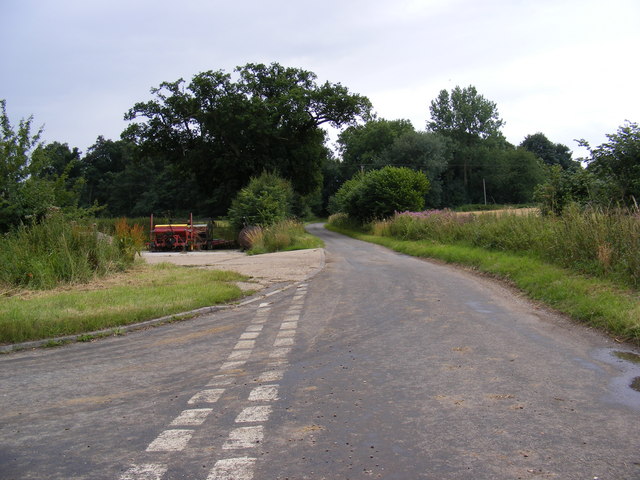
(597, 302)
(145, 293)
(283, 236)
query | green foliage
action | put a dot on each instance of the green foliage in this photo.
(56, 250)
(362, 146)
(550, 153)
(563, 188)
(267, 199)
(617, 162)
(223, 131)
(379, 193)
(464, 115)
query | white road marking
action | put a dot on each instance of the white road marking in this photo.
(245, 344)
(254, 328)
(291, 318)
(288, 325)
(279, 352)
(283, 342)
(233, 469)
(286, 333)
(206, 396)
(249, 335)
(170, 441)
(244, 437)
(264, 304)
(239, 355)
(271, 376)
(232, 365)
(259, 413)
(146, 471)
(194, 416)
(264, 393)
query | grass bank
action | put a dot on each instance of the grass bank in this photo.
(597, 302)
(145, 292)
(283, 236)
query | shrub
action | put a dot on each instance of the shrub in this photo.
(267, 199)
(380, 193)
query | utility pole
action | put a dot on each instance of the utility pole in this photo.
(484, 187)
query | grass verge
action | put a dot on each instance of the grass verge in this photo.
(596, 302)
(146, 292)
(283, 236)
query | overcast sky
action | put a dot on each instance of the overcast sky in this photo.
(568, 69)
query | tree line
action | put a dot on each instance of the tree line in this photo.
(194, 145)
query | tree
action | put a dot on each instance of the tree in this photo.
(469, 120)
(380, 193)
(225, 131)
(550, 153)
(18, 197)
(423, 151)
(464, 115)
(362, 145)
(617, 162)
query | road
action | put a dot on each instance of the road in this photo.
(380, 366)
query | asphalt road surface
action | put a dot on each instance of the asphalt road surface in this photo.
(380, 366)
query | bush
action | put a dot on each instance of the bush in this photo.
(266, 200)
(380, 193)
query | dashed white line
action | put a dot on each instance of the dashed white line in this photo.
(288, 325)
(239, 355)
(283, 342)
(211, 395)
(232, 365)
(233, 469)
(146, 471)
(259, 413)
(286, 333)
(249, 335)
(254, 328)
(245, 344)
(170, 441)
(264, 393)
(244, 437)
(194, 416)
(279, 352)
(271, 376)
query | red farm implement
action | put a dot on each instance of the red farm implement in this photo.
(182, 237)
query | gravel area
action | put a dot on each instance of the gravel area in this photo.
(265, 270)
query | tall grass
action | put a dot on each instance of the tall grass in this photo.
(56, 251)
(599, 242)
(282, 236)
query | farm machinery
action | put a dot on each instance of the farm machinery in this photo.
(183, 237)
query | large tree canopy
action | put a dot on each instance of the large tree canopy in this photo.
(225, 131)
(464, 115)
(551, 153)
(618, 163)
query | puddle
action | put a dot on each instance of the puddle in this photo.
(628, 356)
(625, 386)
